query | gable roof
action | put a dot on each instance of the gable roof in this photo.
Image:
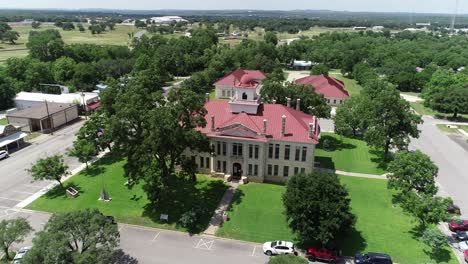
(242, 78)
(326, 85)
(243, 125)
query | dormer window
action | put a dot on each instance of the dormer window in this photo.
(244, 96)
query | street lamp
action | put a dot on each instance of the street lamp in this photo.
(84, 105)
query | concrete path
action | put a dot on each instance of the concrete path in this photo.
(217, 218)
(411, 98)
(353, 174)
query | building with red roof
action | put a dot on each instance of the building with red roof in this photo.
(257, 141)
(332, 89)
(245, 80)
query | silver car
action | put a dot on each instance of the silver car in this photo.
(4, 154)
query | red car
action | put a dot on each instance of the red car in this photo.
(461, 225)
(466, 255)
(322, 254)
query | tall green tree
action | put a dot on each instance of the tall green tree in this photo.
(50, 168)
(320, 69)
(270, 37)
(36, 24)
(77, 237)
(412, 171)
(435, 240)
(412, 175)
(309, 198)
(13, 231)
(390, 119)
(83, 150)
(348, 118)
(7, 93)
(153, 133)
(11, 36)
(45, 45)
(63, 70)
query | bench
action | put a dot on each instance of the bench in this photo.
(71, 192)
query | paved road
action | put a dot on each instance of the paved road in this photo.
(15, 183)
(451, 159)
(154, 246)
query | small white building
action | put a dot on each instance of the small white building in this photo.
(166, 20)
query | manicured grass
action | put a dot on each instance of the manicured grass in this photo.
(444, 128)
(351, 85)
(349, 154)
(3, 121)
(131, 205)
(422, 110)
(256, 214)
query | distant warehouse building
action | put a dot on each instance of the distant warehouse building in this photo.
(43, 117)
(87, 101)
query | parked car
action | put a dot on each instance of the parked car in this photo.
(4, 154)
(372, 258)
(463, 246)
(461, 235)
(278, 247)
(322, 254)
(453, 209)
(461, 225)
(466, 255)
(20, 254)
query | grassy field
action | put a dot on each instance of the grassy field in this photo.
(3, 121)
(349, 154)
(119, 36)
(257, 215)
(422, 110)
(131, 206)
(351, 85)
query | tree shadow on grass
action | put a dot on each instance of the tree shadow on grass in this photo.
(181, 197)
(325, 162)
(439, 256)
(99, 167)
(451, 118)
(379, 158)
(351, 242)
(120, 257)
(58, 191)
(236, 199)
(330, 143)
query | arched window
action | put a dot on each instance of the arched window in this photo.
(244, 96)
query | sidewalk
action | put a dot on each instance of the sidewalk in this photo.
(353, 174)
(217, 218)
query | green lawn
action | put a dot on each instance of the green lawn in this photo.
(351, 85)
(257, 215)
(349, 154)
(422, 110)
(131, 206)
(3, 121)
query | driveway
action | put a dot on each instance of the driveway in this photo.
(451, 159)
(15, 182)
(149, 245)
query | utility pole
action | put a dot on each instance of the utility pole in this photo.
(48, 117)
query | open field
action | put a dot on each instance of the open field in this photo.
(349, 154)
(119, 36)
(131, 205)
(257, 215)
(422, 110)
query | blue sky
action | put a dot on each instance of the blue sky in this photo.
(429, 6)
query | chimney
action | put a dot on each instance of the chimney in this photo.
(264, 127)
(274, 101)
(213, 123)
(283, 125)
(312, 129)
(298, 104)
(289, 102)
(207, 97)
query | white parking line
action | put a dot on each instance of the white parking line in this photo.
(205, 245)
(156, 236)
(10, 199)
(253, 252)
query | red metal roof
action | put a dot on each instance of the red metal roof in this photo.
(328, 86)
(297, 122)
(242, 78)
(93, 106)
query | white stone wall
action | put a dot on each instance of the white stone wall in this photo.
(228, 91)
(334, 101)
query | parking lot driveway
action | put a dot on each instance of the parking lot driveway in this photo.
(162, 246)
